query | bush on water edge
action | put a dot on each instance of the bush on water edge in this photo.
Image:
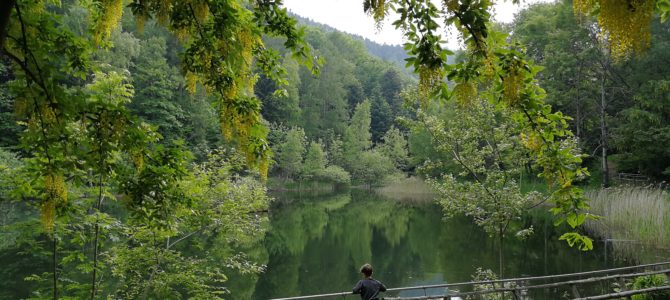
(631, 215)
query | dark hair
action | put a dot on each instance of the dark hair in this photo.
(367, 270)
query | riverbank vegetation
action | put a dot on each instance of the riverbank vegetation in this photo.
(632, 218)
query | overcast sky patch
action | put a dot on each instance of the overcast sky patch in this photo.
(348, 16)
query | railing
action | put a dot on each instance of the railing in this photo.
(631, 178)
(522, 285)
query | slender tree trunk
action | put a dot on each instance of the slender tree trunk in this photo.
(603, 132)
(500, 253)
(578, 117)
(98, 208)
(55, 265)
(95, 243)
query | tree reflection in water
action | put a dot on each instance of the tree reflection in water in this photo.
(315, 244)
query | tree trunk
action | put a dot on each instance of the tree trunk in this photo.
(96, 241)
(603, 132)
(5, 15)
(578, 108)
(500, 253)
(55, 264)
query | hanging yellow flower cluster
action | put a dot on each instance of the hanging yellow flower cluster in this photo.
(512, 83)
(55, 193)
(625, 23)
(452, 5)
(465, 93)
(531, 140)
(429, 78)
(108, 16)
(379, 13)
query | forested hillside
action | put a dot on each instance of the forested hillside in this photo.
(320, 105)
(323, 104)
(337, 117)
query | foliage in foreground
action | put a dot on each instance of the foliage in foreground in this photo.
(181, 242)
(650, 281)
(84, 147)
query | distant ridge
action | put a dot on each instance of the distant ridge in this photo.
(391, 53)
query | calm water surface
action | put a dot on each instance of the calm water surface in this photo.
(315, 244)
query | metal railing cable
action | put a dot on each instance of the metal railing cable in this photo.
(503, 281)
(556, 284)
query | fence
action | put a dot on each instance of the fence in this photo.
(518, 288)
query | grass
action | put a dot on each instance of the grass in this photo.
(412, 189)
(635, 215)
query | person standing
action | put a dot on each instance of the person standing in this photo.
(368, 287)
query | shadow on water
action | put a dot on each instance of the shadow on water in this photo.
(315, 244)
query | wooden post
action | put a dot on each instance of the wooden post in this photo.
(622, 286)
(575, 291)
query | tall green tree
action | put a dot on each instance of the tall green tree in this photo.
(315, 161)
(485, 148)
(107, 122)
(391, 86)
(335, 150)
(357, 137)
(381, 117)
(282, 104)
(156, 84)
(394, 146)
(291, 153)
(644, 129)
(568, 50)
(323, 99)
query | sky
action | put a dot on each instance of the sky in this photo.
(348, 16)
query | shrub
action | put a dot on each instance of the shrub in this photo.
(649, 281)
(335, 174)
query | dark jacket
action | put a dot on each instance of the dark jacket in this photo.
(369, 288)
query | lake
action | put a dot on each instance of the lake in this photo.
(316, 243)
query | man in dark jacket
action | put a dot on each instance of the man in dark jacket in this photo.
(368, 288)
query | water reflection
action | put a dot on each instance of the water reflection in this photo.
(315, 244)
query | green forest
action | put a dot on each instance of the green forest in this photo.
(146, 146)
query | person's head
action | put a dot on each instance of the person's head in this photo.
(366, 270)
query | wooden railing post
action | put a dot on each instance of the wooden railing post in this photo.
(622, 286)
(575, 291)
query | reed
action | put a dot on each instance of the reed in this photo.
(638, 215)
(411, 189)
